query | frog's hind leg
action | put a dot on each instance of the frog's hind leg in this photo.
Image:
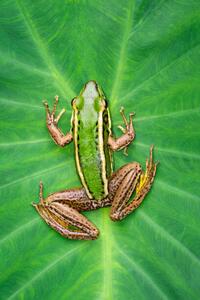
(134, 179)
(61, 210)
(67, 221)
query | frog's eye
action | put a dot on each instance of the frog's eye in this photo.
(77, 103)
(99, 104)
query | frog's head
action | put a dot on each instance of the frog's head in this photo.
(91, 98)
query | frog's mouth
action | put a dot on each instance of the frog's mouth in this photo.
(90, 91)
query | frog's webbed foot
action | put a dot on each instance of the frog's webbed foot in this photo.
(128, 124)
(147, 177)
(51, 119)
(60, 210)
(41, 188)
(128, 134)
(134, 179)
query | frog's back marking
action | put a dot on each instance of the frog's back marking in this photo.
(93, 156)
(107, 150)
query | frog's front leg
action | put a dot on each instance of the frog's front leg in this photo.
(128, 133)
(61, 210)
(125, 181)
(52, 125)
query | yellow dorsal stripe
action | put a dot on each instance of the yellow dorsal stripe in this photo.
(77, 155)
(101, 150)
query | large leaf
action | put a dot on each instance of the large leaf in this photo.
(145, 56)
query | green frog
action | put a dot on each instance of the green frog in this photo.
(94, 144)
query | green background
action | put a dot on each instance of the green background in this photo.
(145, 55)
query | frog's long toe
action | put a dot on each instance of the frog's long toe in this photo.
(41, 199)
(41, 191)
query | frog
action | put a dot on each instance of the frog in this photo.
(94, 143)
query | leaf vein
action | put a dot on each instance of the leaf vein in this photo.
(62, 83)
(172, 151)
(144, 274)
(170, 238)
(123, 49)
(168, 65)
(36, 174)
(45, 270)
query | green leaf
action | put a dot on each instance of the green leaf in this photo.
(145, 55)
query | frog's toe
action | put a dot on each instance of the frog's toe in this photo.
(41, 192)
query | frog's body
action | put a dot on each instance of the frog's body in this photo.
(92, 136)
(91, 126)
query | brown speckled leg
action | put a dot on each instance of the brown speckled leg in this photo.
(132, 178)
(61, 210)
(52, 125)
(67, 221)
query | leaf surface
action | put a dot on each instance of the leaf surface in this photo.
(145, 55)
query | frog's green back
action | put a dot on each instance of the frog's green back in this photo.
(91, 129)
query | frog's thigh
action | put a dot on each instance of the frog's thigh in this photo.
(67, 221)
(77, 199)
(60, 210)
